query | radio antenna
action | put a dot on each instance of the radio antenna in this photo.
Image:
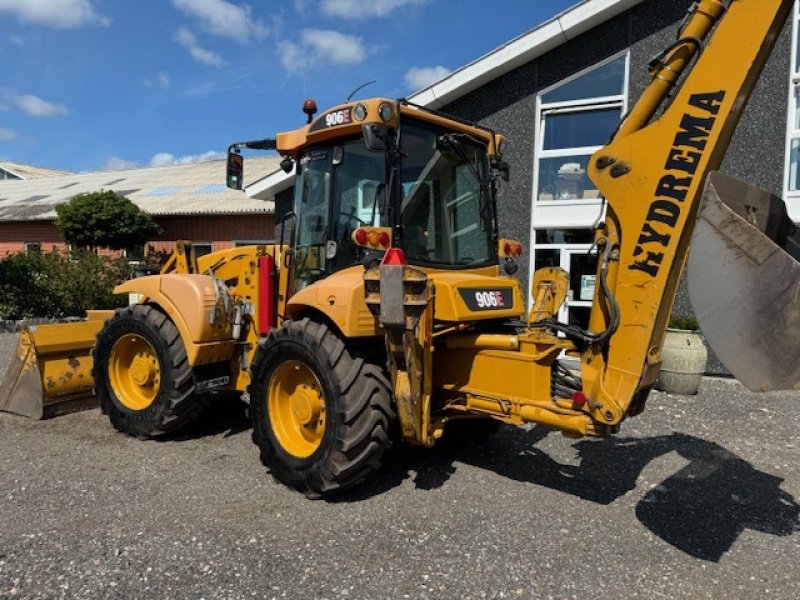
(359, 88)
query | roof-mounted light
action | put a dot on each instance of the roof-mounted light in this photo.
(360, 112)
(386, 112)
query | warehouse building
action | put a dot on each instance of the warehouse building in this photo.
(189, 202)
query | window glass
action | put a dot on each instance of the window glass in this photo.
(607, 80)
(548, 258)
(582, 269)
(565, 178)
(360, 197)
(33, 247)
(579, 129)
(564, 236)
(312, 203)
(445, 210)
(794, 163)
(201, 249)
(136, 253)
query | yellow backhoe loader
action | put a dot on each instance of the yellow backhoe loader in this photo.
(386, 303)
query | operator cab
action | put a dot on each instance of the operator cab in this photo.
(430, 185)
(427, 180)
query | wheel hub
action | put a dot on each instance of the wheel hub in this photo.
(134, 372)
(305, 405)
(142, 370)
(296, 406)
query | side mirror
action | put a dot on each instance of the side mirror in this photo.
(376, 137)
(235, 171)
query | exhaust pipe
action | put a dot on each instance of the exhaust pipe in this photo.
(744, 283)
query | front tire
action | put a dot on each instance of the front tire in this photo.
(321, 411)
(142, 376)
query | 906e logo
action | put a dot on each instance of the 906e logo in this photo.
(491, 299)
(338, 117)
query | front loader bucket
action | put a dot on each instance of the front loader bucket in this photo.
(744, 283)
(50, 370)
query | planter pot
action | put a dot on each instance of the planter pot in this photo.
(683, 362)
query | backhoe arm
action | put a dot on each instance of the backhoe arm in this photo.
(652, 175)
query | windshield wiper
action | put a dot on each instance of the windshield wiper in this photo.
(454, 142)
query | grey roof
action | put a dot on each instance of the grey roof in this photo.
(30, 171)
(190, 189)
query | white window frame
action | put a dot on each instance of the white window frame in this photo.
(792, 197)
(571, 106)
(29, 247)
(574, 213)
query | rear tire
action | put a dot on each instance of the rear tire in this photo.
(321, 411)
(142, 376)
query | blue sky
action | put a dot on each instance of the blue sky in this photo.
(94, 84)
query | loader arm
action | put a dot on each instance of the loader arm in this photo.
(652, 175)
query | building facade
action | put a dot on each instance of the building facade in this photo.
(189, 202)
(560, 107)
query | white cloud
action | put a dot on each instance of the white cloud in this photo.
(119, 164)
(165, 158)
(318, 46)
(160, 80)
(421, 77)
(58, 14)
(364, 9)
(188, 40)
(224, 18)
(7, 135)
(41, 109)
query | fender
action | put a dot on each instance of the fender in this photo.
(340, 297)
(188, 300)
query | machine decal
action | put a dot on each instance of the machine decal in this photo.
(483, 299)
(682, 163)
(210, 384)
(343, 116)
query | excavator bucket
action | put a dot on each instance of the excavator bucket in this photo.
(744, 283)
(50, 369)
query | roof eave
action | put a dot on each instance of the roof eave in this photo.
(539, 41)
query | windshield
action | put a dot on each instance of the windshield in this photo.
(445, 207)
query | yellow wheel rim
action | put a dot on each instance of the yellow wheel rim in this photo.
(134, 372)
(296, 409)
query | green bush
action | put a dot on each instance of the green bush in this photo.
(685, 323)
(54, 285)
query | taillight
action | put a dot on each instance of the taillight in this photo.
(509, 249)
(394, 257)
(373, 238)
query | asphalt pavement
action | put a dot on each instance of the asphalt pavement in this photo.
(699, 497)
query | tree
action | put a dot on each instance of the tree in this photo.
(104, 220)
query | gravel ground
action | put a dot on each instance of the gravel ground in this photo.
(696, 498)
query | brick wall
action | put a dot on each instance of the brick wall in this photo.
(220, 231)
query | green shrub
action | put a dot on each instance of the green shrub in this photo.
(686, 323)
(55, 285)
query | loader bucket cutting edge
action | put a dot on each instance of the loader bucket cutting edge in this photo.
(50, 372)
(744, 283)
